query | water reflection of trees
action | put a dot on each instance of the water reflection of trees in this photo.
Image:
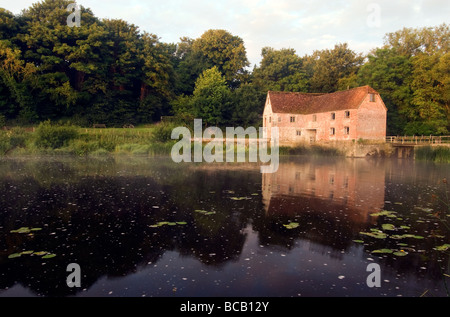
(98, 213)
(102, 222)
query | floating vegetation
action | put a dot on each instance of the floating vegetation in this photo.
(205, 212)
(444, 247)
(404, 236)
(388, 226)
(292, 225)
(167, 223)
(375, 233)
(42, 254)
(383, 251)
(239, 198)
(25, 230)
(387, 213)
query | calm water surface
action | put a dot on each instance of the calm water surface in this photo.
(149, 227)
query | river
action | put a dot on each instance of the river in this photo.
(139, 226)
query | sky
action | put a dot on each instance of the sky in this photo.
(303, 25)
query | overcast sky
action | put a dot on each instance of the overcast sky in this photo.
(303, 25)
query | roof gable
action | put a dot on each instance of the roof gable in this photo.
(303, 103)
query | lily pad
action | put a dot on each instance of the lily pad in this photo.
(388, 226)
(444, 247)
(40, 253)
(49, 256)
(25, 230)
(239, 198)
(400, 253)
(383, 251)
(292, 225)
(14, 255)
(384, 213)
(375, 234)
(358, 241)
(204, 212)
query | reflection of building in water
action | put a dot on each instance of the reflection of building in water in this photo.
(352, 187)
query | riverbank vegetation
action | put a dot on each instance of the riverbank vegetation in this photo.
(439, 154)
(109, 72)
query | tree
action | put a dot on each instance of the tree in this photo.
(414, 41)
(248, 105)
(389, 73)
(212, 98)
(330, 67)
(431, 102)
(427, 50)
(280, 70)
(225, 51)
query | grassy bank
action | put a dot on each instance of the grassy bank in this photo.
(438, 154)
(48, 139)
(314, 150)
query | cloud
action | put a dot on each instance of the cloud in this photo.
(303, 25)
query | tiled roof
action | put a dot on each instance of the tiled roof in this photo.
(303, 103)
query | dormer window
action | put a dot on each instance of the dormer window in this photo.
(372, 98)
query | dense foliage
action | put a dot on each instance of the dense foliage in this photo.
(109, 72)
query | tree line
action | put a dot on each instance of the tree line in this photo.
(108, 71)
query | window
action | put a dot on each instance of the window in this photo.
(314, 118)
(372, 97)
(279, 119)
(292, 119)
(332, 131)
(347, 114)
(333, 116)
(299, 133)
(270, 119)
(346, 130)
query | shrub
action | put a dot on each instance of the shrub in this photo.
(163, 132)
(2, 121)
(18, 137)
(54, 136)
(438, 154)
(5, 144)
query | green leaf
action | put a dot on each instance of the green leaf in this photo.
(27, 252)
(238, 198)
(382, 251)
(444, 247)
(388, 226)
(358, 241)
(376, 235)
(182, 223)
(384, 213)
(400, 253)
(49, 256)
(292, 225)
(40, 253)
(14, 255)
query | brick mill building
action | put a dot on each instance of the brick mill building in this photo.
(353, 114)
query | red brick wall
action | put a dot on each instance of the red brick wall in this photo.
(366, 122)
(372, 120)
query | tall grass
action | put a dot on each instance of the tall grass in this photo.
(438, 154)
(315, 150)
